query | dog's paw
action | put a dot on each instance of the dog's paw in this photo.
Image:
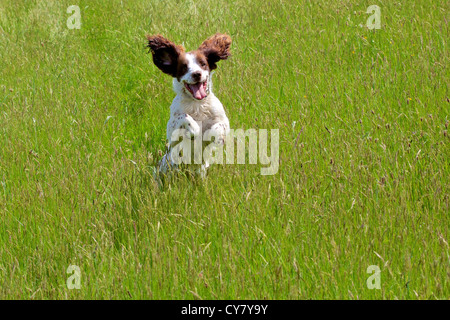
(192, 129)
(217, 133)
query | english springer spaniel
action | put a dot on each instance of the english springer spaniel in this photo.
(195, 109)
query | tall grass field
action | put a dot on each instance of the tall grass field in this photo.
(359, 207)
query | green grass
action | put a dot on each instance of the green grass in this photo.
(364, 170)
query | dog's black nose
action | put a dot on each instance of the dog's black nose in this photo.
(196, 76)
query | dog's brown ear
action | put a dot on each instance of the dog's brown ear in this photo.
(165, 54)
(215, 48)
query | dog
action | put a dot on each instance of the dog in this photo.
(195, 109)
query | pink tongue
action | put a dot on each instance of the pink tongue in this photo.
(198, 90)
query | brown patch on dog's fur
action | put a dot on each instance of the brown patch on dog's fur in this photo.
(215, 48)
(182, 67)
(201, 59)
(167, 55)
(171, 58)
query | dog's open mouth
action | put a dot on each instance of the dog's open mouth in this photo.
(198, 90)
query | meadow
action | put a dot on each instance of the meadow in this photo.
(363, 175)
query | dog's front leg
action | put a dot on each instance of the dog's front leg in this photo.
(190, 128)
(179, 126)
(219, 131)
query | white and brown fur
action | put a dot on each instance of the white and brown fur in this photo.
(195, 107)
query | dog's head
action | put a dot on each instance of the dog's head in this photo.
(192, 69)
